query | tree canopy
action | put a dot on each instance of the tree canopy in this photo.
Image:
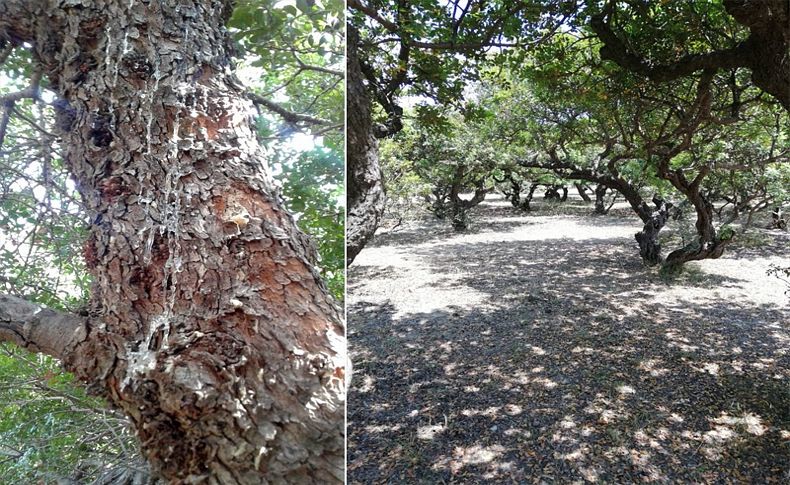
(684, 125)
(432, 52)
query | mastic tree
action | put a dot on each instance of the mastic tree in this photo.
(432, 50)
(452, 160)
(426, 49)
(666, 41)
(590, 121)
(208, 325)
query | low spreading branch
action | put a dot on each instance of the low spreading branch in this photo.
(40, 329)
(764, 52)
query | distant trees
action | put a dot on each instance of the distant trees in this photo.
(426, 49)
(671, 149)
(707, 131)
(449, 160)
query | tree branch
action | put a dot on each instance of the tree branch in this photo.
(615, 50)
(764, 52)
(40, 329)
(288, 116)
(373, 14)
(309, 67)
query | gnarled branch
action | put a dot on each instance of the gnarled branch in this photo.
(764, 52)
(40, 329)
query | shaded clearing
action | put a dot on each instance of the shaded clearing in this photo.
(539, 348)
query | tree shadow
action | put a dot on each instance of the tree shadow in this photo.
(520, 393)
(572, 362)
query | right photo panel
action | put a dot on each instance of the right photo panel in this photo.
(568, 256)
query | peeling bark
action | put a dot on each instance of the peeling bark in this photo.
(366, 198)
(210, 327)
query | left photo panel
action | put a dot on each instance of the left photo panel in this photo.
(172, 219)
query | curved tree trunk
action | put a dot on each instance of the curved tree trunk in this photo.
(365, 194)
(525, 202)
(460, 207)
(209, 325)
(649, 247)
(514, 196)
(709, 243)
(582, 189)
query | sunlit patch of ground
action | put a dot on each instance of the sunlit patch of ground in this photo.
(538, 348)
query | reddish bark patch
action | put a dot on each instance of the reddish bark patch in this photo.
(219, 205)
(212, 124)
(89, 252)
(253, 201)
(113, 187)
(90, 30)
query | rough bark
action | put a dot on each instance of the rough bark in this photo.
(365, 191)
(209, 326)
(647, 238)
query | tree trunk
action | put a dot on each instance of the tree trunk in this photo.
(777, 221)
(209, 325)
(600, 201)
(528, 199)
(438, 205)
(365, 194)
(461, 207)
(649, 247)
(709, 243)
(515, 192)
(583, 192)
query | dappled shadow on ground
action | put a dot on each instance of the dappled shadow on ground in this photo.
(569, 361)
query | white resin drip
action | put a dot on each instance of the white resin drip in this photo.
(151, 96)
(143, 359)
(114, 68)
